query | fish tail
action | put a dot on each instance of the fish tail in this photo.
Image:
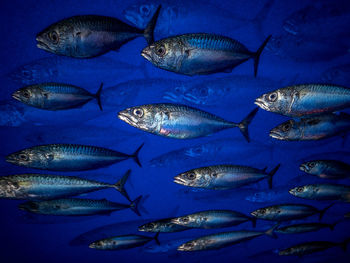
(272, 173)
(135, 155)
(257, 54)
(271, 232)
(149, 30)
(156, 238)
(332, 226)
(98, 96)
(344, 244)
(253, 219)
(120, 185)
(134, 205)
(324, 211)
(243, 125)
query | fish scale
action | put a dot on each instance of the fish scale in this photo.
(58, 88)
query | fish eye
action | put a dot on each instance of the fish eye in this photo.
(263, 211)
(23, 157)
(299, 189)
(191, 176)
(53, 37)
(138, 112)
(185, 219)
(160, 51)
(286, 127)
(214, 175)
(272, 97)
(26, 94)
(312, 164)
(144, 10)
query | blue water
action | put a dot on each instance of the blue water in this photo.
(315, 56)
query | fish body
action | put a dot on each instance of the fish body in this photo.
(77, 207)
(307, 248)
(222, 177)
(327, 169)
(68, 157)
(55, 96)
(179, 121)
(303, 228)
(312, 128)
(45, 187)
(213, 219)
(322, 192)
(305, 99)
(87, 36)
(162, 226)
(200, 54)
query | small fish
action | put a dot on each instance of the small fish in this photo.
(312, 128)
(122, 242)
(222, 177)
(286, 212)
(305, 99)
(322, 192)
(200, 54)
(45, 187)
(213, 219)
(68, 157)
(163, 226)
(180, 121)
(304, 228)
(224, 239)
(78, 207)
(56, 96)
(89, 36)
(327, 169)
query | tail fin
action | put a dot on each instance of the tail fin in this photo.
(257, 54)
(253, 219)
(271, 232)
(324, 211)
(98, 96)
(332, 226)
(272, 173)
(156, 238)
(243, 125)
(148, 32)
(134, 205)
(120, 184)
(344, 244)
(135, 155)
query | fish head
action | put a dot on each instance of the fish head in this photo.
(312, 167)
(197, 244)
(32, 207)
(200, 177)
(278, 101)
(100, 244)
(288, 131)
(286, 252)
(31, 95)
(145, 117)
(183, 220)
(149, 227)
(30, 158)
(303, 191)
(261, 213)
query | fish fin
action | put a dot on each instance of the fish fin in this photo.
(344, 244)
(324, 210)
(271, 232)
(149, 30)
(134, 205)
(243, 125)
(135, 155)
(156, 238)
(272, 173)
(253, 219)
(98, 96)
(264, 170)
(332, 226)
(120, 184)
(257, 54)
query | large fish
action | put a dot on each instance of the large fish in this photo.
(327, 169)
(305, 99)
(222, 177)
(200, 54)
(122, 242)
(304, 228)
(180, 121)
(286, 212)
(56, 96)
(224, 239)
(89, 36)
(163, 226)
(322, 192)
(312, 128)
(68, 157)
(213, 219)
(77, 207)
(44, 187)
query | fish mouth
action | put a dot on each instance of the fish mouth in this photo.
(292, 191)
(179, 180)
(261, 103)
(182, 248)
(254, 213)
(16, 96)
(41, 44)
(146, 53)
(11, 159)
(304, 168)
(125, 117)
(276, 135)
(92, 245)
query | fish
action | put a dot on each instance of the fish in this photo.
(326, 169)
(222, 177)
(304, 228)
(322, 192)
(338, 75)
(56, 96)
(180, 121)
(213, 219)
(200, 54)
(77, 207)
(312, 128)
(69, 157)
(305, 100)
(122, 242)
(162, 226)
(88, 36)
(46, 187)
(286, 212)
(224, 239)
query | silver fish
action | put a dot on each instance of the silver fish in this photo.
(312, 128)
(56, 96)
(180, 121)
(322, 192)
(305, 99)
(327, 169)
(163, 226)
(89, 36)
(198, 54)
(222, 177)
(68, 157)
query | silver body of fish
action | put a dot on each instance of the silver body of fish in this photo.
(322, 192)
(162, 226)
(327, 169)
